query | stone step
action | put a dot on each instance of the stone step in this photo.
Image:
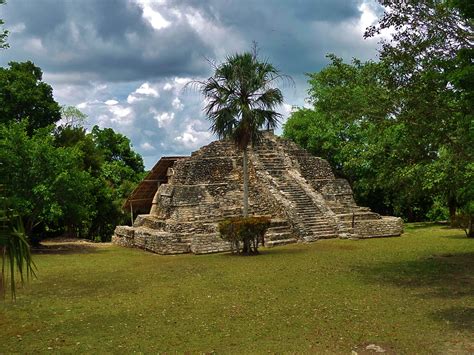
(278, 236)
(327, 236)
(149, 221)
(322, 231)
(358, 216)
(276, 222)
(318, 226)
(302, 198)
(310, 212)
(277, 229)
(274, 243)
(311, 224)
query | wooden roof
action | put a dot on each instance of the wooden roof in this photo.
(142, 197)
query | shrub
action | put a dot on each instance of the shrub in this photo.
(244, 233)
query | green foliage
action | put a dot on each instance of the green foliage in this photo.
(71, 116)
(3, 33)
(438, 211)
(115, 147)
(14, 248)
(400, 130)
(67, 182)
(45, 184)
(242, 97)
(23, 95)
(244, 233)
(61, 179)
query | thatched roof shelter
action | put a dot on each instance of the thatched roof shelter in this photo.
(142, 197)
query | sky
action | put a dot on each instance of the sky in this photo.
(125, 63)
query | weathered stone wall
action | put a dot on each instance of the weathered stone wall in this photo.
(124, 236)
(384, 227)
(209, 243)
(338, 190)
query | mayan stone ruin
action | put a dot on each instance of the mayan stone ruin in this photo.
(184, 198)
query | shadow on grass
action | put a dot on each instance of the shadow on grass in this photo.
(446, 276)
(262, 252)
(442, 275)
(419, 225)
(458, 236)
(458, 317)
(67, 248)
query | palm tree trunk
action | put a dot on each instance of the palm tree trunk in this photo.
(246, 184)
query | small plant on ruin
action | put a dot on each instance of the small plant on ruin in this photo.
(244, 233)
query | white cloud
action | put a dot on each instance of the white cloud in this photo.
(35, 45)
(221, 38)
(17, 28)
(147, 90)
(142, 92)
(121, 115)
(164, 118)
(153, 16)
(147, 146)
(193, 138)
(111, 102)
(177, 104)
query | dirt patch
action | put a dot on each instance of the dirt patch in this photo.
(373, 348)
(68, 246)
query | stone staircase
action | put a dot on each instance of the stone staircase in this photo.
(279, 233)
(309, 221)
(314, 224)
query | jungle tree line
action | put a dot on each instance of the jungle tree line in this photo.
(401, 129)
(60, 178)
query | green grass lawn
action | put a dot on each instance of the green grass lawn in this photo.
(413, 294)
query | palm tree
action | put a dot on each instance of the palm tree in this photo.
(241, 97)
(14, 249)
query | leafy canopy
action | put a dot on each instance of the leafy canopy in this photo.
(241, 98)
(23, 95)
(3, 33)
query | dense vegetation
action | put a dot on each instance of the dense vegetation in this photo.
(59, 177)
(401, 130)
(411, 295)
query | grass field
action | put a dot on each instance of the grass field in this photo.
(413, 294)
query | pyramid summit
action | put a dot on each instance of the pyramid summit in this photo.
(184, 198)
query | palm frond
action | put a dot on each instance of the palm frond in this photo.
(14, 249)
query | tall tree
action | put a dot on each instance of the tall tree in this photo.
(3, 33)
(117, 148)
(14, 247)
(430, 56)
(23, 95)
(241, 99)
(44, 184)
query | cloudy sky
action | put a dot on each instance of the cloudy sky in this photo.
(124, 62)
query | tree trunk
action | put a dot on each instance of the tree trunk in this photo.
(470, 227)
(2, 272)
(452, 211)
(246, 184)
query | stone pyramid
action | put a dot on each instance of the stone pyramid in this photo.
(298, 191)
